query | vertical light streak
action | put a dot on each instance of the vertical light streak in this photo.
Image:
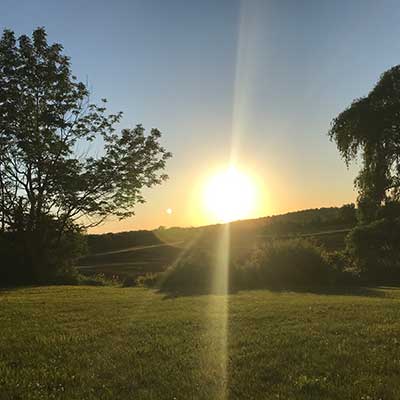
(245, 71)
(217, 315)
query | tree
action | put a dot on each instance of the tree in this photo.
(370, 130)
(47, 186)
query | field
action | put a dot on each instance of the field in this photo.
(130, 262)
(117, 343)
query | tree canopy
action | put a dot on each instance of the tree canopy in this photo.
(369, 130)
(48, 169)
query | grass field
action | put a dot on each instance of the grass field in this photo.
(130, 262)
(120, 343)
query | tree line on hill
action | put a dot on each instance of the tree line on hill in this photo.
(313, 220)
(120, 241)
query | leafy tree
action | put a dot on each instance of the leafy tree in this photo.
(48, 187)
(370, 130)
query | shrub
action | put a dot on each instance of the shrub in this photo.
(67, 276)
(25, 261)
(129, 281)
(284, 264)
(14, 269)
(195, 273)
(375, 249)
(71, 276)
(190, 274)
(343, 269)
(279, 264)
(148, 280)
(338, 260)
(95, 280)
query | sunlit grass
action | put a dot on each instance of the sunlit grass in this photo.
(218, 313)
(114, 343)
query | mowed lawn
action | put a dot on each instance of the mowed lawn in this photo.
(132, 343)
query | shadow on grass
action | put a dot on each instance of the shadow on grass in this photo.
(358, 291)
(12, 288)
(167, 295)
(361, 291)
(337, 291)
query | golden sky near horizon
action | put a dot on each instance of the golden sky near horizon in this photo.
(192, 208)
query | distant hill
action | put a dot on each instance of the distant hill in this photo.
(117, 241)
(311, 222)
(135, 253)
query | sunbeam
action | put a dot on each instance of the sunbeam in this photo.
(230, 200)
(217, 315)
(245, 72)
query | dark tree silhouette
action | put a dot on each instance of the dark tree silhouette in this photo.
(370, 129)
(47, 186)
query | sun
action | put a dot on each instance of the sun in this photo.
(230, 195)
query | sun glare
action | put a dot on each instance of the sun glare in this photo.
(230, 195)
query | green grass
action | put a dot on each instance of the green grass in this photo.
(132, 343)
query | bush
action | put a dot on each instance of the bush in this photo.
(344, 271)
(67, 276)
(375, 249)
(96, 280)
(14, 269)
(338, 260)
(148, 280)
(25, 260)
(287, 264)
(71, 276)
(278, 264)
(129, 281)
(194, 273)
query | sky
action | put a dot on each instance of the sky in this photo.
(254, 82)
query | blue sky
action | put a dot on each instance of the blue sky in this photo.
(264, 77)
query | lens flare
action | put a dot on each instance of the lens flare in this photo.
(231, 195)
(216, 357)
